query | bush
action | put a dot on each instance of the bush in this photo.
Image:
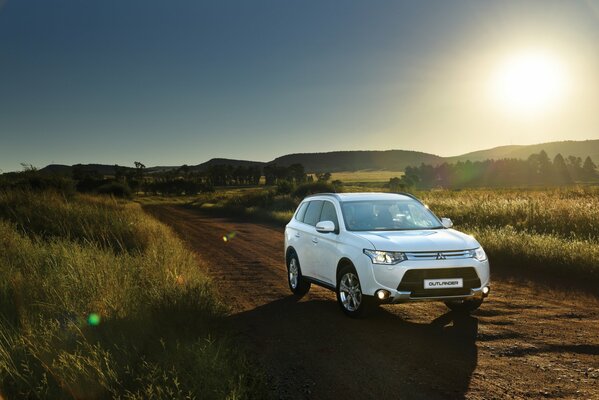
(306, 189)
(34, 181)
(116, 189)
(284, 203)
(262, 199)
(285, 187)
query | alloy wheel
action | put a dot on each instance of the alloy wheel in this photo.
(293, 273)
(350, 292)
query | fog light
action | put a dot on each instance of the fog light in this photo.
(486, 290)
(382, 294)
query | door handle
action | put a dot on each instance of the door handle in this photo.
(297, 234)
(314, 240)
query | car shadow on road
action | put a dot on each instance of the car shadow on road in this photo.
(309, 349)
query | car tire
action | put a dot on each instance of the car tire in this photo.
(466, 305)
(298, 285)
(350, 298)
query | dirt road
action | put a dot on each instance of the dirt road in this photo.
(525, 342)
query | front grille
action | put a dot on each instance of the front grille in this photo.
(438, 255)
(413, 281)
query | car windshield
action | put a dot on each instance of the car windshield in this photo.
(388, 215)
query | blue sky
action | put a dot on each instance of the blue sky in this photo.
(173, 82)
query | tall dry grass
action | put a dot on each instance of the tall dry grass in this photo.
(67, 262)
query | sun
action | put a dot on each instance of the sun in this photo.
(529, 83)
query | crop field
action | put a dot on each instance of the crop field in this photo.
(100, 300)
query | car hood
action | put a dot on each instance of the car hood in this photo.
(420, 240)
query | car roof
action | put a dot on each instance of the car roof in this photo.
(365, 196)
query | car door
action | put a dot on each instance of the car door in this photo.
(294, 228)
(325, 254)
(305, 236)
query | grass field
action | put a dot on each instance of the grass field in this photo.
(99, 300)
(366, 176)
(553, 231)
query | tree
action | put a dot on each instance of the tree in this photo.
(589, 168)
(297, 173)
(140, 168)
(561, 174)
(394, 184)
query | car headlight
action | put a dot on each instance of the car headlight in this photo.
(385, 257)
(478, 254)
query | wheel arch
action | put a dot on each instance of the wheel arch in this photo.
(289, 252)
(343, 262)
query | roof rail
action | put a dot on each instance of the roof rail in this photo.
(411, 196)
(335, 195)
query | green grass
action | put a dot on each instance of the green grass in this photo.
(97, 300)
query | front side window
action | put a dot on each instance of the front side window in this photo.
(301, 212)
(329, 213)
(313, 212)
(388, 215)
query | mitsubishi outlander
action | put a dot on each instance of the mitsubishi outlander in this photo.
(380, 248)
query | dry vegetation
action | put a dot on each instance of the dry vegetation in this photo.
(553, 231)
(99, 300)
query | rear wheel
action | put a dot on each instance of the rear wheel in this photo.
(466, 305)
(349, 294)
(298, 285)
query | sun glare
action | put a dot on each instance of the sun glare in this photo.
(529, 83)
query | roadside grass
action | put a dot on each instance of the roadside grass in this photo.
(553, 231)
(571, 213)
(99, 300)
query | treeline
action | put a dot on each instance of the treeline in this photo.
(124, 181)
(538, 169)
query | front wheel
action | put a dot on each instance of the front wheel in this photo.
(298, 285)
(349, 294)
(466, 305)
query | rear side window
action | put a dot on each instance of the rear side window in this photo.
(329, 213)
(302, 211)
(313, 212)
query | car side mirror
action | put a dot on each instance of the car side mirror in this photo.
(446, 222)
(325, 226)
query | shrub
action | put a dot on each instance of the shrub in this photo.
(306, 189)
(285, 187)
(284, 203)
(34, 181)
(116, 189)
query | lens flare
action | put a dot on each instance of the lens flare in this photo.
(93, 319)
(229, 236)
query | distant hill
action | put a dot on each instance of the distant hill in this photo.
(580, 149)
(337, 161)
(226, 161)
(59, 169)
(390, 160)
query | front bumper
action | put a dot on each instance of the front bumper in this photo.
(391, 279)
(403, 297)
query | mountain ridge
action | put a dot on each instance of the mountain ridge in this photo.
(356, 160)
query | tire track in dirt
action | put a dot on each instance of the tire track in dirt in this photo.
(524, 342)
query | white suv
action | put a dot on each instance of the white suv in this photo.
(376, 248)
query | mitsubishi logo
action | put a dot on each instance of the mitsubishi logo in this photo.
(440, 256)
